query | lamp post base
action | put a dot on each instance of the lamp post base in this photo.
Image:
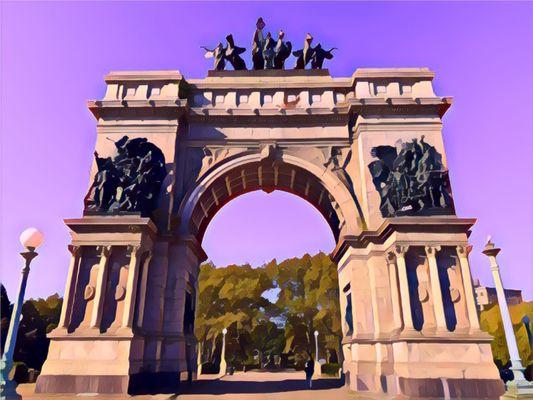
(8, 390)
(520, 389)
(317, 370)
(223, 368)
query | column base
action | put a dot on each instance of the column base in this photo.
(112, 384)
(450, 388)
(414, 368)
(317, 370)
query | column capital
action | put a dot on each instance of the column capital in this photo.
(105, 251)
(432, 250)
(490, 250)
(400, 250)
(390, 257)
(464, 250)
(134, 249)
(74, 249)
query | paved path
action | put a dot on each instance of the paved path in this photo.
(286, 385)
(265, 386)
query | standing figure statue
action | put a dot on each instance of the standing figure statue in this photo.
(268, 51)
(282, 51)
(218, 53)
(232, 54)
(319, 55)
(257, 46)
(304, 55)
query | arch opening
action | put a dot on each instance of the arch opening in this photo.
(256, 228)
(266, 176)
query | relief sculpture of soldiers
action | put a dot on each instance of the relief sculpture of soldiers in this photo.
(128, 181)
(410, 179)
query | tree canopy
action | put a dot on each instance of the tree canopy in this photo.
(235, 298)
(491, 322)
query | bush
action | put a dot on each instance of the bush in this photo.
(19, 372)
(210, 368)
(331, 369)
(250, 365)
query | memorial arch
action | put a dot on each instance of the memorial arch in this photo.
(366, 151)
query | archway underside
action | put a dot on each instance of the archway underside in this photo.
(266, 176)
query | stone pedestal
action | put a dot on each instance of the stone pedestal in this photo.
(121, 328)
(422, 354)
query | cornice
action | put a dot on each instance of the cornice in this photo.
(429, 224)
(111, 223)
(393, 73)
(162, 75)
(132, 90)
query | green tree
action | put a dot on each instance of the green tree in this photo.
(230, 298)
(39, 317)
(491, 322)
(309, 301)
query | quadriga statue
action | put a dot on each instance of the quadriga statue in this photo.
(129, 181)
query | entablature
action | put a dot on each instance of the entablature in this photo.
(271, 94)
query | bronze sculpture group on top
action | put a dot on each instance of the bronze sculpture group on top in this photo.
(267, 53)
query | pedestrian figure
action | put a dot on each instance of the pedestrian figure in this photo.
(309, 371)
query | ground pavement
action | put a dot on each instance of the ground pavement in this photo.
(288, 385)
(254, 385)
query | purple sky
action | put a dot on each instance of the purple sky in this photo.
(54, 57)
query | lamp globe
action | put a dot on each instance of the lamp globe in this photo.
(31, 238)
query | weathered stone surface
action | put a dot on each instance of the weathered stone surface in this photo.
(403, 293)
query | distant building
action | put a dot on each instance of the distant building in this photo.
(486, 296)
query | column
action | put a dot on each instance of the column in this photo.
(70, 288)
(395, 294)
(400, 251)
(438, 305)
(519, 383)
(470, 296)
(101, 285)
(373, 297)
(143, 289)
(223, 364)
(199, 360)
(131, 287)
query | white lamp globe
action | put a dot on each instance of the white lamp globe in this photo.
(224, 331)
(31, 238)
(316, 333)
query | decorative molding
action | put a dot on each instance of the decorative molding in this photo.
(431, 251)
(74, 249)
(400, 250)
(89, 292)
(104, 251)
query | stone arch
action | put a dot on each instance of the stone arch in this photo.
(355, 122)
(247, 172)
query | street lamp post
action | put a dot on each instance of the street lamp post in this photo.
(519, 386)
(318, 367)
(31, 238)
(223, 365)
